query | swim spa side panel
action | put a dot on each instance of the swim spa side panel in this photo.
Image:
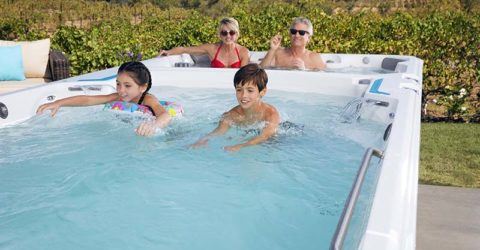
(23, 104)
(392, 223)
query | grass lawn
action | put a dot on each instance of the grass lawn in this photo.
(450, 154)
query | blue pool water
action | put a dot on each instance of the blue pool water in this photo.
(84, 179)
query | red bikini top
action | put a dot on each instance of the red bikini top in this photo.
(218, 64)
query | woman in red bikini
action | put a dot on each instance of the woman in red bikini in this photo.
(225, 54)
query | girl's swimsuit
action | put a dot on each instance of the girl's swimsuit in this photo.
(218, 64)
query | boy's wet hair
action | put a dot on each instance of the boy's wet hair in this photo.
(251, 73)
(139, 73)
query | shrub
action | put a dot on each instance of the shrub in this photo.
(448, 43)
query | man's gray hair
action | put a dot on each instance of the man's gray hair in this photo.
(304, 21)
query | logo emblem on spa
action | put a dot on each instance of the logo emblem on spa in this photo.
(3, 111)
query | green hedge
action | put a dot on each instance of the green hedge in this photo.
(448, 43)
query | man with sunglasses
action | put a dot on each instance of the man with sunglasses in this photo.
(296, 56)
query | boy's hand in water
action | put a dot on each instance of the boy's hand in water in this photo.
(146, 129)
(53, 107)
(199, 143)
(233, 148)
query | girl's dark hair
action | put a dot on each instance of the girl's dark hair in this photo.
(139, 73)
(251, 73)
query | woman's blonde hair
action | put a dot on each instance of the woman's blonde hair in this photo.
(230, 22)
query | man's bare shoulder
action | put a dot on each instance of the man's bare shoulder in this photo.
(282, 57)
(316, 60)
(282, 51)
(313, 54)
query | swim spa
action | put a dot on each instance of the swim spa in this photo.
(84, 178)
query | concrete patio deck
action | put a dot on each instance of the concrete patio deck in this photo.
(448, 218)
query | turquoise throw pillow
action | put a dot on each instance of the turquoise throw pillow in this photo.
(11, 63)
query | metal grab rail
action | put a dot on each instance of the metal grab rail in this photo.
(344, 221)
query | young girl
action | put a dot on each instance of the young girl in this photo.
(133, 82)
(250, 84)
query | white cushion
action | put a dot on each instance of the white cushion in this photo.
(35, 56)
(9, 86)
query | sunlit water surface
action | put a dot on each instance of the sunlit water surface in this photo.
(84, 180)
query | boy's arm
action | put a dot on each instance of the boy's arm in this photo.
(221, 129)
(270, 129)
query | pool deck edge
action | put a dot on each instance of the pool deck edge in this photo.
(448, 218)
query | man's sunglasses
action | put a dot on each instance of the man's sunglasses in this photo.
(301, 32)
(225, 33)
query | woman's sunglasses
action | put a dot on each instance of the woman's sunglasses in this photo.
(301, 32)
(225, 33)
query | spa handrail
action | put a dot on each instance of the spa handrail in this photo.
(344, 221)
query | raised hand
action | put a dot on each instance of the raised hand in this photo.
(275, 42)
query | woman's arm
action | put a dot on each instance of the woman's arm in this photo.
(80, 100)
(194, 50)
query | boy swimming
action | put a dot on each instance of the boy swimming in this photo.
(250, 84)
